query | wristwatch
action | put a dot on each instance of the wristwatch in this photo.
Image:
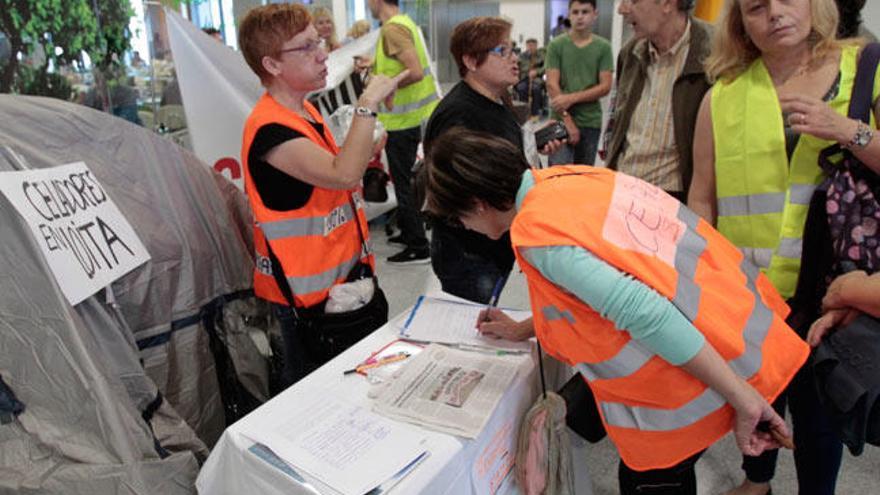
(861, 138)
(365, 112)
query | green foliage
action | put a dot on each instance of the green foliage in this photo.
(96, 27)
(41, 83)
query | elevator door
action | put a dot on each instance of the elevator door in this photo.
(445, 16)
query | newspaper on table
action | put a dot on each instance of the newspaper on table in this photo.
(348, 448)
(445, 321)
(449, 390)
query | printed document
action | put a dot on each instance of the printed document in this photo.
(452, 322)
(348, 448)
(449, 390)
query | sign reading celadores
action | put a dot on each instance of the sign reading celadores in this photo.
(85, 239)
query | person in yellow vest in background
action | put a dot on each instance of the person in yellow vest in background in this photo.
(783, 90)
(310, 231)
(401, 47)
(680, 338)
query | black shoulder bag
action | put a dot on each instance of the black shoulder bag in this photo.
(326, 335)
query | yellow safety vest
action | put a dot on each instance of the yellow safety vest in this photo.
(414, 103)
(763, 197)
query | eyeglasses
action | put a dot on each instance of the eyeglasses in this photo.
(308, 49)
(502, 51)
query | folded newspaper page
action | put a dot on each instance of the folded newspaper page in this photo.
(449, 390)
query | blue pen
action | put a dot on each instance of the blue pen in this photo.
(496, 294)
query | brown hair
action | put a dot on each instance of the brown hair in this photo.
(475, 37)
(733, 52)
(265, 29)
(463, 166)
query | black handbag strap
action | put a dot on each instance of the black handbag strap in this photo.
(861, 103)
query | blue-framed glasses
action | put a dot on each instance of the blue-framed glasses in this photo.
(502, 51)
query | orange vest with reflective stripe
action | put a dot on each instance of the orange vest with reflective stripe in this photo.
(318, 244)
(656, 413)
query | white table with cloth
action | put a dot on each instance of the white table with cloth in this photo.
(455, 465)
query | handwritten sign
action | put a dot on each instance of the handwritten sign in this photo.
(644, 219)
(83, 236)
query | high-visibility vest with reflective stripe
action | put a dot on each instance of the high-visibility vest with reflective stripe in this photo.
(317, 244)
(656, 413)
(414, 103)
(762, 198)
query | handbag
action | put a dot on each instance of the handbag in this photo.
(325, 335)
(852, 188)
(582, 414)
(847, 369)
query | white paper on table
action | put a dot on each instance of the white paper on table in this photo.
(443, 321)
(449, 390)
(346, 447)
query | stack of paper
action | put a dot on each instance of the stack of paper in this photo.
(454, 322)
(345, 447)
(449, 390)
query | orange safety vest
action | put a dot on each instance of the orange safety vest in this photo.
(656, 413)
(318, 244)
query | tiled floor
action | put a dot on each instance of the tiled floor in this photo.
(718, 470)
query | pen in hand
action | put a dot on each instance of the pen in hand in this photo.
(493, 299)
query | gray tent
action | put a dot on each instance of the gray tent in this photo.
(122, 393)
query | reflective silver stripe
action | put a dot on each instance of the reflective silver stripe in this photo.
(751, 204)
(301, 227)
(627, 361)
(323, 280)
(746, 365)
(759, 256)
(790, 247)
(411, 107)
(800, 194)
(651, 419)
(552, 313)
(687, 256)
(757, 327)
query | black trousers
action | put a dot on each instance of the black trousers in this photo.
(680, 479)
(401, 149)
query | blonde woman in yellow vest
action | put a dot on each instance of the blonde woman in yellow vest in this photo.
(680, 339)
(783, 85)
(309, 223)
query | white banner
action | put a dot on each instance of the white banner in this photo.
(85, 239)
(219, 90)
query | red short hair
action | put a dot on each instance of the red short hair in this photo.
(265, 29)
(475, 37)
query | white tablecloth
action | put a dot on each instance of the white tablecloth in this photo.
(455, 466)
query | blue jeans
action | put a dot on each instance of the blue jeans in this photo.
(583, 153)
(462, 273)
(296, 363)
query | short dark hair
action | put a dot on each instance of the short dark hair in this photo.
(591, 2)
(464, 166)
(392, 2)
(475, 37)
(685, 5)
(531, 40)
(210, 31)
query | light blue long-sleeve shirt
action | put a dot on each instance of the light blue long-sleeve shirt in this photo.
(630, 304)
